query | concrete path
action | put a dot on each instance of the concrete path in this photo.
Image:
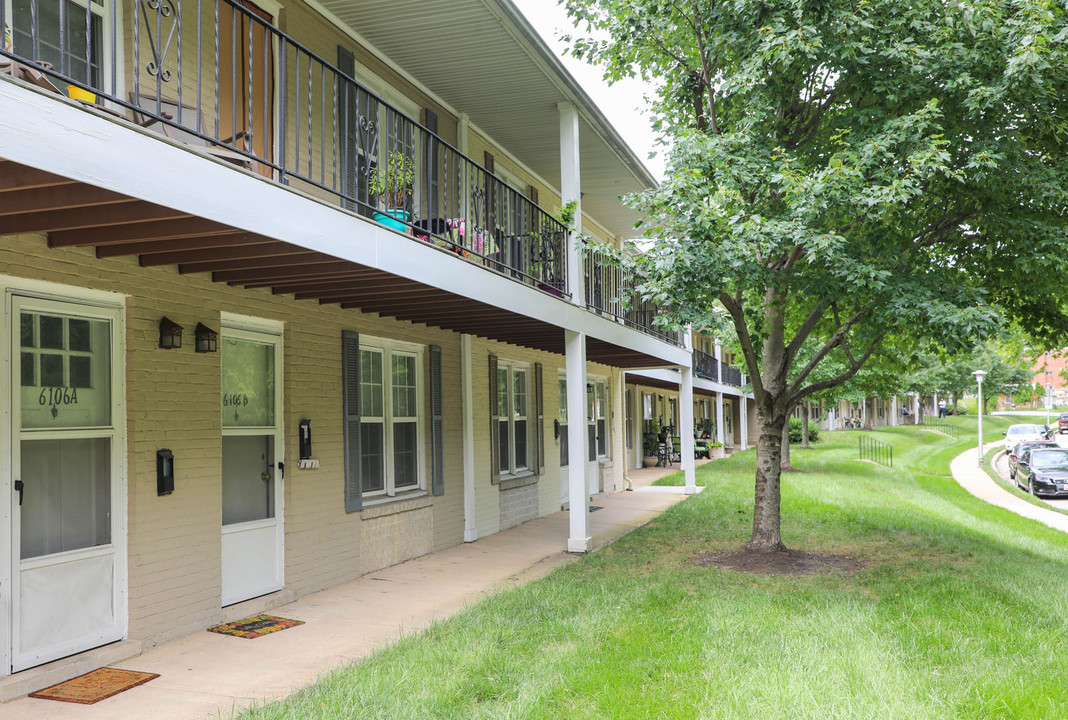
(972, 478)
(207, 675)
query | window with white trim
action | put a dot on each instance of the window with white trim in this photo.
(513, 416)
(392, 453)
(562, 390)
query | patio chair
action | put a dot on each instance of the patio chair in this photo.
(190, 119)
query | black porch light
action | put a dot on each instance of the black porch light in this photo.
(207, 339)
(170, 334)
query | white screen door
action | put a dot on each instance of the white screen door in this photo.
(252, 538)
(67, 533)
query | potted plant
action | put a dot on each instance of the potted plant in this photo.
(392, 183)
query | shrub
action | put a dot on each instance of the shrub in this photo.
(795, 431)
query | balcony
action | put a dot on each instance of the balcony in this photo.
(221, 80)
(705, 366)
(607, 292)
(729, 376)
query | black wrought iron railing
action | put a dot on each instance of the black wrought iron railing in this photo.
(729, 375)
(868, 448)
(609, 290)
(706, 366)
(218, 75)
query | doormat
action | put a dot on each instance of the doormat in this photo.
(95, 686)
(255, 626)
(595, 508)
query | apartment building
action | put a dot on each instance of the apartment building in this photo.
(288, 298)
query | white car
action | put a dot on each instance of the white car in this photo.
(1022, 433)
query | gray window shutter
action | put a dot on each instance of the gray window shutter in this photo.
(538, 456)
(495, 428)
(348, 116)
(350, 388)
(437, 448)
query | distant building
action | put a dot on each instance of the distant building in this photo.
(1049, 369)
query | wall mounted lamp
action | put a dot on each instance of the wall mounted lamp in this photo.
(207, 340)
(170, 334)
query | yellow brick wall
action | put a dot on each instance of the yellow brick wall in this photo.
(173, 401)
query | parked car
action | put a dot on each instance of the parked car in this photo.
(1022, 432)
(1043, 471)
(1014, 456)
(1062, 423)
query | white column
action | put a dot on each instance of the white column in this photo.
(916, 405)
(743, 411)
(896, 411)
(686, 429)
(468, 410)
(463, 124)
(719, 416)
(578, 495)
(571, 190)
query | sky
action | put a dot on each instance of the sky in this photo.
(621, 103)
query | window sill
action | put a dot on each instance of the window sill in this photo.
(511, 482)
(393, 506)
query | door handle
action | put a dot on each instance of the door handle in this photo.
(18, 488)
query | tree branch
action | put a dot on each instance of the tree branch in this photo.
(836, 340)
(839, 379)
(805, 330)
(748, 351)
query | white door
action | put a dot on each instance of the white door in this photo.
(68, 580)
(252, 533)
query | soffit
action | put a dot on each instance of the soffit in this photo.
(482, 58)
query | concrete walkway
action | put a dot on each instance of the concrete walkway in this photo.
(972, 478)
(206, 675)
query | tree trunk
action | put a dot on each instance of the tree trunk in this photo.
(784, 452)
(767, 532)
(867, 414)
(805, 410)
(919, 411)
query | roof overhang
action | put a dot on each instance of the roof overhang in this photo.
(482, 58)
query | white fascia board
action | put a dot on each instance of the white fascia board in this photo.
(673, 376)
(47, 132)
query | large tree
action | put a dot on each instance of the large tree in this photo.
(845, 172)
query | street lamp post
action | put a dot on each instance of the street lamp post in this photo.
(979, 375)
(1049, 401)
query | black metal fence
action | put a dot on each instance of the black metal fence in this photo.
(942, 425)
(609, 291)
(875, 450)
(729, 375)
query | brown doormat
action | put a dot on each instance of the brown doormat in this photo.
(255, 626)
(95, 686)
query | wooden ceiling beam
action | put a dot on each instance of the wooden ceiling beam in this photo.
(56, 197)
(335, 281)
(151, 247)
(264, 248)
(181, 226)
(22, 177)
(291, 258)
(270, 276)
(123, 213)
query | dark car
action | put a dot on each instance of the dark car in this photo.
(1043, 471)
(1014, 456)
(1062, 423)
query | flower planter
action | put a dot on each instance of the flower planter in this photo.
(393, 219)
(649, 461)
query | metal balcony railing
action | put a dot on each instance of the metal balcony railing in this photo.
(220, 76)
(729, 375)
(608, 291)
(706, 366)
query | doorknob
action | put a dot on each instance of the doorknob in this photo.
(18, 488)
(265, 476)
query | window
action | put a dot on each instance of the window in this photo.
(600, 417)
(61, 35)
(628, 398)
(513, 416)
(391, 424)
(648, 412)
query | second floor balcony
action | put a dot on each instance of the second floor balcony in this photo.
(221, 79)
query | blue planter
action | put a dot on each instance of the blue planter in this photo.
(393, 219)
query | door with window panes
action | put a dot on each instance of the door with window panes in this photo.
(68, 582)
(252, 538)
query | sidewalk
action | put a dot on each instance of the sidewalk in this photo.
(206, 675)
(972, 478)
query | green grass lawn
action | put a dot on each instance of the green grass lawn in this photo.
(959, 612)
